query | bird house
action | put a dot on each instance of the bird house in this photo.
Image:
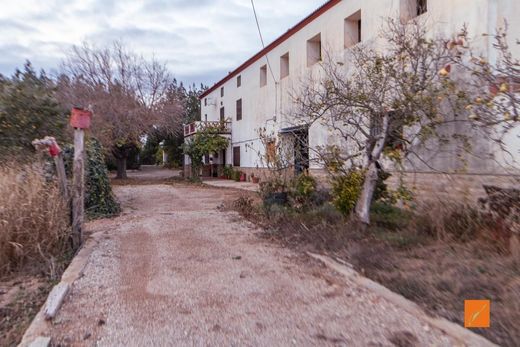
(80, 118)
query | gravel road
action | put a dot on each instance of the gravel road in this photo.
(173, 270)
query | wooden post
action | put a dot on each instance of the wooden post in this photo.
(49, 143)
(78, 188)
(62, 176)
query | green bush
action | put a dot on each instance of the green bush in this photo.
(302, 191)
(236, 175)
(99, 199)
(228, 172)
(390, 217)
(346, 190)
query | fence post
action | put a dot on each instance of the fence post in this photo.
(78, 195)
(80, 120)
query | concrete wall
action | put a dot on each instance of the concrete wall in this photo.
(270, 106)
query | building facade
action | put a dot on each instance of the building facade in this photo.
(258, 95)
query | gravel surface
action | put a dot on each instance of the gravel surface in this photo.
(175, 271)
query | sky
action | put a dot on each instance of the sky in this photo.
(200, 40)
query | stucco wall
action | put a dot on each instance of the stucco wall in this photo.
(270, 106)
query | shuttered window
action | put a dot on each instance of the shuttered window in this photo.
(239, 109)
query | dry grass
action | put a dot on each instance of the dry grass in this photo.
(34, 221)
(438, 255)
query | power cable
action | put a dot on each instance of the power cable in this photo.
(262, 39)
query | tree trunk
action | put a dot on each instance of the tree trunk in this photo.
(364, 202)
(195, 171)
(121, 168)
(514, 245)
(367, 194)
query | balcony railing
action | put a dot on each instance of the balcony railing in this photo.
(219, 127)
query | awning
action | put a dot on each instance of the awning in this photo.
(295, 129)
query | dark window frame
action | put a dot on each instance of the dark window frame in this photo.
(422, 7)
(236, 156)
(239, 109)
(360, 28)
(263, 76)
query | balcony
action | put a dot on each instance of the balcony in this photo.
(218, 127)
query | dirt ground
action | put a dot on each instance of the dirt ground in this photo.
(21, 297)
(173, 269)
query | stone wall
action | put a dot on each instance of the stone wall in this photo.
(466, 187)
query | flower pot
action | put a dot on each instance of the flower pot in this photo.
(255, 179)
(243, 177)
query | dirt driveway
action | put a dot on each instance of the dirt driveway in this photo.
(173, 270)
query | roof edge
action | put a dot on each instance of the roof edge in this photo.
(317, 13)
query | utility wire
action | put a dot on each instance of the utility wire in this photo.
(262, 39)
(268, 62)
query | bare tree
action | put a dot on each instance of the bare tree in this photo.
(127, 93)
(496, 85)
(391, 100)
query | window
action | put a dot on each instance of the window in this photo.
(394, 138)
(422, 6)
(222, 114)
(222, 92)
(205, 101)
(236, 156)
(205, 117)
(263, 76)
(239, 109)
(314, 50)
(284, 65)
(353, 29)
(239, 81)
(413, 8)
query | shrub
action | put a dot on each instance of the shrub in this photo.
(237, 175)
(244, 205)
(303, 189)
(99, 199)
(271, 187)
(447, 219)
(34, 220)
(390, 217)
(346, 190)
(227, 171)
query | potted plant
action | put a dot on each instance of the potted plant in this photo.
(243, 177)
(255, 179)
(228, 172)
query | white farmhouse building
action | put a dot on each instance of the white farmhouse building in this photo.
(251, 97)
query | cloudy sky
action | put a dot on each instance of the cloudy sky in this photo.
(201, 40)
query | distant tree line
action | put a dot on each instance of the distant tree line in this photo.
(137, 105)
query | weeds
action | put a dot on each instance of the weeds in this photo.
(438, 253)
(34, 221)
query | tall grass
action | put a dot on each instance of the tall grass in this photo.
(34, 221)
